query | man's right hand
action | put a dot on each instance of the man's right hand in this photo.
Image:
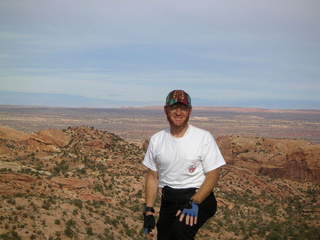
(149, 223)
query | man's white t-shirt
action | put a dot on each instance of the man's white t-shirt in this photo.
(182, 162)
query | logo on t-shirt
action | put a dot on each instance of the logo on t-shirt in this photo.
(193, 167)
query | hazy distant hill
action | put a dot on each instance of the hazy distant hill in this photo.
(137, 123)
(66, 100)
(83, 183)
(58, 100)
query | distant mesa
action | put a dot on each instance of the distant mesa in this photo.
(196, 118)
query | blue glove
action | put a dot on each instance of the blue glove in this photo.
(191, 209)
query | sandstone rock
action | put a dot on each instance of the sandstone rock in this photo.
(52, 136)
(73, 183)
(12, 134)
(12, 183)
(297, 160)
(95, 143)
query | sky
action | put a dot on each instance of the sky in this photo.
(244, 53)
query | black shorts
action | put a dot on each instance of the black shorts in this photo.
(169, 227)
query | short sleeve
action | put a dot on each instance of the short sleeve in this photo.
(211, 155)
(149, 160)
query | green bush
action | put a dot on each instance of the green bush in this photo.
(13, 235)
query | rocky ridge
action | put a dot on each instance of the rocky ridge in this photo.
(70, 184)
(297, 160)
(83, 183)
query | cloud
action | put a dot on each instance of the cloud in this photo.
(152, 20)
(147, 86)
(142, 49)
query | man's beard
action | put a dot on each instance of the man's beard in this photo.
(185, 122)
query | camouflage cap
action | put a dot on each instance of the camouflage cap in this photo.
(178, 96)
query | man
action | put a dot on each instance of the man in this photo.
(184, 162)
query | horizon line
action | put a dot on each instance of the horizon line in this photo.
(156, 107)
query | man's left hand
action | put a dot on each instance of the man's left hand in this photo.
(190, 211)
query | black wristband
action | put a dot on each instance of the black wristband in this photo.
(148, 209)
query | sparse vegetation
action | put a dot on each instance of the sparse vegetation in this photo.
(92, 188)
(12, 235)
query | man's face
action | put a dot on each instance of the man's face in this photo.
(178, 115)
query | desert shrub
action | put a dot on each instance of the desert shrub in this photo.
(11, 201)
(5, 170)
(75, 212)
(62, 167)
(98, 188)
(139, 194)
(13, 235)
(89, 231)
(81, 171)
(70, 223)
(98, 204)
(69, 231)
(46, 204)
(77, 202)
(108, 234)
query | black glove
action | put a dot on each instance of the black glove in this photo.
(149, 221)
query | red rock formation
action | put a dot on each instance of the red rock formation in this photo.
(73, 183)
(278, 158)
(11, 183)
(12, 134)
(52, 136)
(295, 168)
